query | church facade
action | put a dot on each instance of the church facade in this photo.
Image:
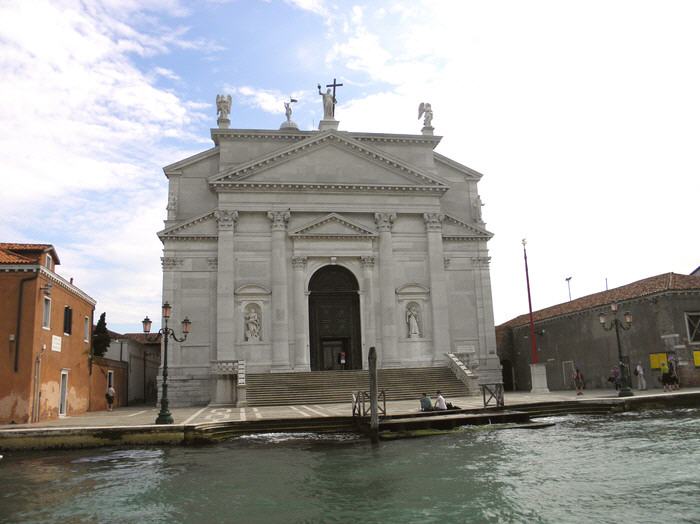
(299, 250)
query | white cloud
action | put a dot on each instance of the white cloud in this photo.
(85, 135)
(581, 117)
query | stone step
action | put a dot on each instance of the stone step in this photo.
(319, 387)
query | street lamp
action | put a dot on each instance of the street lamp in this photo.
(618, 324)
(164, 416)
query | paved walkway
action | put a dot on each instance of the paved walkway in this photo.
(145, 415)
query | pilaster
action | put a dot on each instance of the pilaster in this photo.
(385, 222)
(369, 295)
(225, 284)
(301, 352)
(438, 286)
(280, 319)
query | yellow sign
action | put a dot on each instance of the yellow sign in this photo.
(656, 359)
(696, 358)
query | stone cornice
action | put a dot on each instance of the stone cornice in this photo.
(472, 232)
(468, 171)
(277, 187)
(239, 173)
(60, 281)
(170, 232)
(176, 168)
(188, 237)
(296, 135)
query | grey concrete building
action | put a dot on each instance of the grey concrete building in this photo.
(299, 250)
(665, 324)
(141, 354)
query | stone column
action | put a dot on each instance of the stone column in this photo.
(438, 286)
(370, 321)
(301, 353)
(489, 363)
(387, 293)
(280, 321)
(225, 314)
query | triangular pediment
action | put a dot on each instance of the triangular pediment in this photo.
(201, 226)
(333, 225)
(327, 161)
(456, 229)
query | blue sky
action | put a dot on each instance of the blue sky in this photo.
(583, 117)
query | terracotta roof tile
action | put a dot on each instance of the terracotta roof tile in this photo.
(8, 257)
(641, 288)
(30, 252)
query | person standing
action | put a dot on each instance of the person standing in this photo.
(578, 381)
(641, 381)
(440, 404)
(665, 376)
(109, 395)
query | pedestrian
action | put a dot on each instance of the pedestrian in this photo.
(673, 374)
(641, 381)
(665, 376)
(109, 395)
(578, 381)
(440, 404)
(425, 404)
(615, 377)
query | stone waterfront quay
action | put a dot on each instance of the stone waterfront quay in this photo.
(132, 426)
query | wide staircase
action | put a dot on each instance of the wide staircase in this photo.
(324, 387)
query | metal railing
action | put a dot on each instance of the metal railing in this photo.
(361, 404)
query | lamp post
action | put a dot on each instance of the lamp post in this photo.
(164, 416)
(568, 284)
(617, 324)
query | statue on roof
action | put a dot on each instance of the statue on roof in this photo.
(223, 106)
(329, 102)
(288, 108)
(425, 109)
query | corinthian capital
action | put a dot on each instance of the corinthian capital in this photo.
(433, 221)
(279, 219)
(384, 221)
(226, 219)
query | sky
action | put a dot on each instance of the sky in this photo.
(583, 116)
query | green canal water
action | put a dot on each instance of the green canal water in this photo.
(632, 467)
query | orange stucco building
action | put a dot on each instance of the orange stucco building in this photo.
(45, 337)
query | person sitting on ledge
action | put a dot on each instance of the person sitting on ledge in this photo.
(425, 404)
(440, 404)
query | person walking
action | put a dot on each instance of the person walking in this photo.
(109, 395)
(578, 381)
(641, 381)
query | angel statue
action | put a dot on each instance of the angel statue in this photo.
(425, 109)
(223, 106)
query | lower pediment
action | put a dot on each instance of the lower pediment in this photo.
(333, 226)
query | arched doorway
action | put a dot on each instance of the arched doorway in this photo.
(334, 320)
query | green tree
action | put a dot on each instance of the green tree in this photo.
(100, 337)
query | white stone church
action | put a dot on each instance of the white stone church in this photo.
(299, 250)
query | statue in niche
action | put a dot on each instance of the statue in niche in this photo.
(477, 205)
(413, 320)
(252, 325)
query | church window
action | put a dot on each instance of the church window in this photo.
(693, 325)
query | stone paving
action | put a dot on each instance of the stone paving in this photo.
(146, 415)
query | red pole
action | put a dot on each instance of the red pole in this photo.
(533, 342)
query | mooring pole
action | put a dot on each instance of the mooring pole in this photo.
(374, 418)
